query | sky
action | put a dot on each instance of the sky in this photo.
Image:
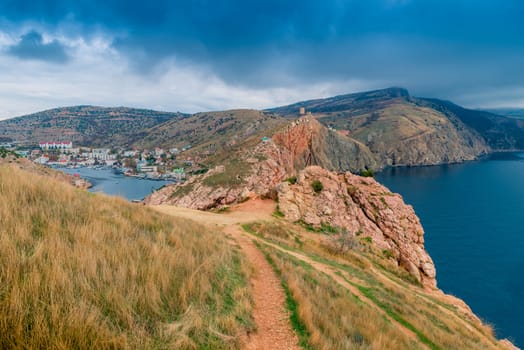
(200, 55)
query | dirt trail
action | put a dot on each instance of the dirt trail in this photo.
(271, 317)
(270, 314)
(333, 274)
(274, 331)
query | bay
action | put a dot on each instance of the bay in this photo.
(106, 181)
(473, 217)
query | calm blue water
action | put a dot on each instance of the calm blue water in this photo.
(105, 180)
(473, 216)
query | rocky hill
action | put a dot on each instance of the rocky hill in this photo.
(363, 207)
(347, 201)
(84, 125)
(401, 130)
(254, 166)
(499, 132)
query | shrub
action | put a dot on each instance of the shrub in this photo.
(342, 243)
(367, 239)
(387, 253)
(328, 229)
(292, 180)
(367, 173)
(317, 186)
(352, 190)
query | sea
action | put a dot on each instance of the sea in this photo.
(107, 181)
(473, 217)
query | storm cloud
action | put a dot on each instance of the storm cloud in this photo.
(32, 46)
(467, 51)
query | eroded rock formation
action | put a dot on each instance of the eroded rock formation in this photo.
(360, 205)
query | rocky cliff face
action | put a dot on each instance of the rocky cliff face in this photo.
(361, 206)
(348, 201)
(254, 174)
(307, 142)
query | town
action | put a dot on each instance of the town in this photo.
(155, 164)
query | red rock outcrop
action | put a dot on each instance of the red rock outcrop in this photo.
(267, 166)
(361, 205)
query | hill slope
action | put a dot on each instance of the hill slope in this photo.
(84, 125)
(500, 133)
(210, 133)
(399, 129)
(87, 271)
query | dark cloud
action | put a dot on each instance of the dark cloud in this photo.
(32, 46)
(437, 47)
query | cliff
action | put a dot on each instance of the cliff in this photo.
(363, 207)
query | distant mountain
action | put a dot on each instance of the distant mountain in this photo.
(507, 112)
(501, 133)
(84, 125)
(358, 102)
(403, 130)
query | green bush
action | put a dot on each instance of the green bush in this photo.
(277, 213)
(387, 253)
(367, 173)
(292, 180)
(317, 186)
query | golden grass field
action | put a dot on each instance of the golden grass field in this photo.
(83, 271)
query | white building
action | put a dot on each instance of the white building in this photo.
(42, 160)
(102, 154)
(56, 145)
(130, 153)
(149, 169)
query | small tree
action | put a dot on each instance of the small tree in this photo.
(343, 242)
(292, 180)
(317, 186)
(367, 173)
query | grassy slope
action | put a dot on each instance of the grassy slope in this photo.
(337, 318)
(85, 271)
(211, 132)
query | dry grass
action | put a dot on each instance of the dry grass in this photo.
(84, 271)
(336, 319)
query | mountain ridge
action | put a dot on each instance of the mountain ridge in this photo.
(378, 128)
(85, 125)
